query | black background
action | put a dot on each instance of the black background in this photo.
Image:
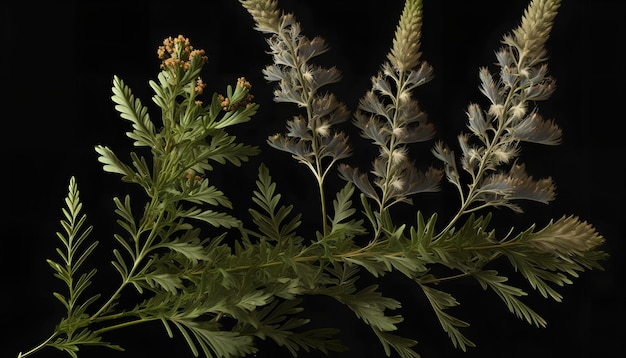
(58, 62)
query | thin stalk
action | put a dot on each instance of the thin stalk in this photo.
(37, 348)
(124, 325)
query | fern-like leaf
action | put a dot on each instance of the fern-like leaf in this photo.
(272, 221)
(509, 295)
(440, 301)
(130, 108)
(213, 341)
(73, 254)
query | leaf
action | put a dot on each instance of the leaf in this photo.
(84, 337)
(556, 253)
(241, 115)
(369, 305)
(113, 165)
(254, 299)
(169, 282)
(217, 219)
(73, 256)
(342, 205)
(401, 345)
(272, 222)
(192, 252)
(144, 132)
(374, 264)
(322, 339)
(441, 301)
(279, 322)
(343, 210)
(409, 266)
(203, 193)
(222, 148)
(221, 343)
(509, 295)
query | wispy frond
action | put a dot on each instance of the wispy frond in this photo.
(496, 134)
(537, 130)
(312, 138)
(392, 119)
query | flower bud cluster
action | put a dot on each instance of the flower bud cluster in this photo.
(177, 53)
(240, 98)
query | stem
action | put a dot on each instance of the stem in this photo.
(365, 252)
(442, 279)
(323, 206)
(38, 348)
(123, 325)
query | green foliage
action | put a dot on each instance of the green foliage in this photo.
(224, 282)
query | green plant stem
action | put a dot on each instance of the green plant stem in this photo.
(365, 252)
(323, 207)
(442, 279)
(37, 348)
(123, 325)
